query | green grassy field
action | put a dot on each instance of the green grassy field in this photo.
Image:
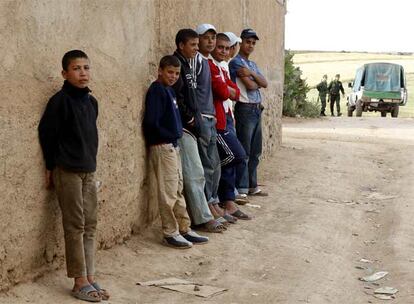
(315, 64)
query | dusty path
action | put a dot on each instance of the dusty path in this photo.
(341, 189)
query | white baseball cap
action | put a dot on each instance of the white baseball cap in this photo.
(203, 28)
(233, 38)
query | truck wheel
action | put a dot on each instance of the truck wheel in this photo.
(350, 111)
(395, 110)
(383, 114)
(358, 108)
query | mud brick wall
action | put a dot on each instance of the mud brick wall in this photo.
(124, 40)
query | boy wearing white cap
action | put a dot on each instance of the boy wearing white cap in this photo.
(241, 198)
(234, 42)
(230, 149)
(207, 141)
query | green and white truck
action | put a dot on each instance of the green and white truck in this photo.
(378, 86)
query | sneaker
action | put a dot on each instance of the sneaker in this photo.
(339, 114)
(241, 199)
(257, 192)
(193, 237)
(241, 195)
(178, 242)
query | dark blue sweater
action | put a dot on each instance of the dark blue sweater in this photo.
(67, 131)
(162, 121)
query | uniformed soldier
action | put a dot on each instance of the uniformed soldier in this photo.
(322, 88)
(334, 97)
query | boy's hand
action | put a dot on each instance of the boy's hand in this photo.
(49, 180)
(232, 92)
(243, 72)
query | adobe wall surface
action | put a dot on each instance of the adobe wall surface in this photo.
(124, 40)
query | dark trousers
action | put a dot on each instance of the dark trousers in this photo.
(323, 103)
(335, 98)
(231, 154)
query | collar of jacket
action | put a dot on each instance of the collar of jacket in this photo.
(75, 91)
(181, 58)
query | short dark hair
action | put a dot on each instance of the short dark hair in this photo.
(71, 55)
(169, 60)
(184, 35)
(222, 36)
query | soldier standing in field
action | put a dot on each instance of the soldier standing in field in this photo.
(322, 88)
(334, 87)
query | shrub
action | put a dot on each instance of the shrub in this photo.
(295, 90)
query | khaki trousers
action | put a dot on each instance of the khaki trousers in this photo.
(77, 198)
(166, 180)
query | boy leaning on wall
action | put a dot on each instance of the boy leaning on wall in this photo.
(69, 139)
(162, 129)
(248, 111)
(185, 89)
(230, 149)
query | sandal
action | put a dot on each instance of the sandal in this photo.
(214, 227)
(241, 215)
(102, 292)
(85, 294)
(222, 221)
(229, 218)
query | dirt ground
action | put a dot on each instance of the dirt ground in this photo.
(341, 190)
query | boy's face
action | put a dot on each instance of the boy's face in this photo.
(207, 42)
(168, 75)
(78, 72)
(189, 49)
(247, 45)
(233, 51)
(221, 52)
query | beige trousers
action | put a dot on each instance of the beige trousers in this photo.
(166, 180)
(76, 193)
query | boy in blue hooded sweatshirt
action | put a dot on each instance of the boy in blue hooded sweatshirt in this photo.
(162, 129)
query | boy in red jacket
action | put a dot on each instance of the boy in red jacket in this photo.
(230, 149)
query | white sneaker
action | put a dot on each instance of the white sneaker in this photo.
(257, 192)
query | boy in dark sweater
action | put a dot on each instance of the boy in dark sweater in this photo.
(185, 89)
(162, 128)
(69, 139)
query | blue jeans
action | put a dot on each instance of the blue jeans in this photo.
(207, 148)
(249, 131)
(193, 177)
